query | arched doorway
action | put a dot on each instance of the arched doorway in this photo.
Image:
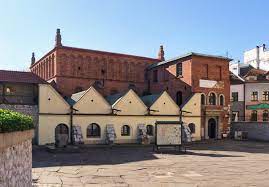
(212, 126)
(61, 135)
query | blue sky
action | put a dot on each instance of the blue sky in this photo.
(134, 27)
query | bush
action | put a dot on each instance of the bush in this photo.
(13, 121)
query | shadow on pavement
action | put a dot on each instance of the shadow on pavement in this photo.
(92, 156)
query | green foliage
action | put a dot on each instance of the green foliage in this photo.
(13, 121)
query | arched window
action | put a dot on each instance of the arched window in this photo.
(179, 98)
(212, 99)
(254, 116)
(265, 115)
(192, 127)
(125, 130)
(93, 130)
(221, 100)
(150, 130)
(203, 99)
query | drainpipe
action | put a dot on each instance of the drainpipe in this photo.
(258, 56)
(71, 125)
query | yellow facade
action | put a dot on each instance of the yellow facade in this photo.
(164, 105)
(92, 102)
(50, 101)
(91, 108)
(130, 104)
(193, 106)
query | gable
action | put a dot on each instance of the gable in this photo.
(164, 105)
(50, 101)
(92, 102)
(130, 104)
(193, 105)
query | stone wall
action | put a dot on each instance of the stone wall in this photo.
(256, 130)
(16, 159)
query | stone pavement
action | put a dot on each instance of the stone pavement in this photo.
(222, 163)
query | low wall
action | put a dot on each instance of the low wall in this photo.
(30, 110)
(256, 130)
(16, 158)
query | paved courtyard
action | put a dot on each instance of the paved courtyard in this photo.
(222, 163)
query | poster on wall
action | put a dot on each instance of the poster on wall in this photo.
(168, 133)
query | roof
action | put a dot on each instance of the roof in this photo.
(235, 79)
(20, 77)
(107, 53)
(95, 51)
(255, 72)
(150, 99)
(111, 99)
(184, 56)
(75, 97)
(244, 69)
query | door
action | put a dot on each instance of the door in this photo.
(212, 126)
(61, 135)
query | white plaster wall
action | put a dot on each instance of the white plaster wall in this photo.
(238, 88)
(260, 87)
(250, 57)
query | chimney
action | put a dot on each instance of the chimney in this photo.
(161, 54)
(264, 47)
(258, 56)
(33, 58)
(58, 38)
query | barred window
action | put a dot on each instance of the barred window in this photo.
(125, 130)
(93, 130)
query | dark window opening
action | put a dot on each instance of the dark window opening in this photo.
(254, 116)
(221, 100)
(179, 69)
(234, 96)
(179, 98)
(150, 130)
(265, 115)
(254, 96)
(212, 99)
(192, 127)
(125, 130)
(93, 130)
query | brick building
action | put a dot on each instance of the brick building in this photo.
(196, 73)
(74, 69)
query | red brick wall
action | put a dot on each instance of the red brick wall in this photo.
(168, 81)
(75, 67)
(214, 64)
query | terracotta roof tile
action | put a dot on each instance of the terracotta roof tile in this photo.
(20, 77)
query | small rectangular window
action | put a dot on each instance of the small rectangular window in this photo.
(234, 96)
(179, 69)
(254, 96)
(155, 76)
(266, 95)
